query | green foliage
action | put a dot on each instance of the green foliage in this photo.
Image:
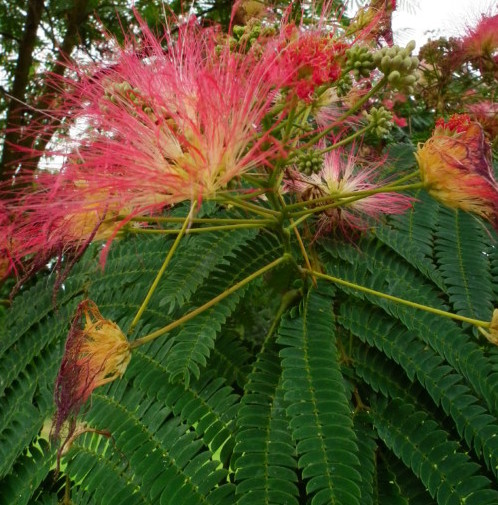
(353, 399)
(285, 389)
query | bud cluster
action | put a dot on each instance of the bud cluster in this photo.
(360, 61)
(245, 37)
(379, 119)
(398, 65)
(308, 162)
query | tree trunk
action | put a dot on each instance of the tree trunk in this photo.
(49, 96)
(18, 93)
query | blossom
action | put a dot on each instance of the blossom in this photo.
(455, 164)
(482, 40)
(174, 124)
(96, 353)
(6, 225)
(374, 21)
(314, 57)
(54, 219)
(485, 113)
(340, 178)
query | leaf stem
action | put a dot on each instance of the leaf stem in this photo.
(261, 223)
(345, 141)
(166, 262)
(345, 198)
(388, 188)
(190, 315)
(202, 220)
(348, 113)
(427, 308)
(251, 207)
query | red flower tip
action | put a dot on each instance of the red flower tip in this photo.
(313, 58)
(457, 123)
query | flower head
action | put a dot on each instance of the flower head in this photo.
(340, 178)
(174, 124)
(314, 58)
(97, 352)
(54, 219)
(482, 40)
(455, 164)
(486, 113)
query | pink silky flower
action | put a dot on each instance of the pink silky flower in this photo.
(314, 57)
(339, 179)
(52, 219)
(482, 40)
(7, 264)
(174, 123)
(485, 113)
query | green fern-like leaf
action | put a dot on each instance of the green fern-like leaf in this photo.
(448, 473)
(461, 250)
(447, 388)
(319, 411)
(264, 462)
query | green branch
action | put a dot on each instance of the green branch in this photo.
(402, 301)
(187, 317)
(166, 262)
(260, 224)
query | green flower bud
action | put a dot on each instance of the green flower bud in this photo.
(379, 119)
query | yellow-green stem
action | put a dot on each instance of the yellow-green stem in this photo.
(344, 199)
(345, 141)
(260, 224)
(348, 113)
(162, 270)
(187, 317)
(257, 209)
(299, 239)
(294, 224)
(246, 195)
(288, 299)
(427, 308)
(207, 220)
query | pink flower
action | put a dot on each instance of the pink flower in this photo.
(340, 178)
(52, 218)
(7, 264)
(172, 124)
(482, 40)
(486, 113)
(313, 57)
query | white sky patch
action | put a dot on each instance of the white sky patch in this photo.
(438, 18)
(421, 20)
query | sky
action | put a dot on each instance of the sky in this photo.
(424, 19)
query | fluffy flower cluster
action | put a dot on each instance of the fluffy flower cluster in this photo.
(455, 163)
(167, 121)
(315, 57)
(97, 352)
(341, 177)
(482, 40)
